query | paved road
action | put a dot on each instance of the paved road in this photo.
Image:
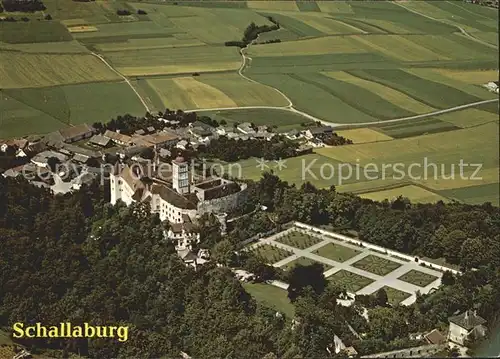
(416, 117)
(391, 279)
(124, 79)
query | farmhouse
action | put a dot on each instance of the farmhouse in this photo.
(161, 139)
(72, 134)
(317, 131)
(246, 128)
(467, 325)
(118, 138)
(100, 141)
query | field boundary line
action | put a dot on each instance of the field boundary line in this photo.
(465, 33)
(127, 81)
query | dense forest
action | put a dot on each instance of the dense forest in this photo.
(76, 258)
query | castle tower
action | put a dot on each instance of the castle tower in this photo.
(114, 183)
(180, 175)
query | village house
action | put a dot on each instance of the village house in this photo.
(466, 326)
(118, 138)
(72, 134)
(162, 139)
(292, 134)
(246, 128)
(100, 141)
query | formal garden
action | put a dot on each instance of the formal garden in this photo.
(270, 254)
(336, 252)
(376, 265)
(418, 278)
(349, 281)
(298, 240)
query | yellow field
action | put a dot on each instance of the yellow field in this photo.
(273, 5)
(468, 117)
(243, 92)
(326, 25)
(397, 98)
(398, 47)
(414, 193)
(431, 75)
(487, 176)
(335, 7)
(471, 77)
(178, 69)
(363, 135)
(82, 28)
(318, 46)
(30, 70)
(186, 92)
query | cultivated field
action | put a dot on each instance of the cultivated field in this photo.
(416, 193)
(342, 62)
(38, 70)
(363, 135)
(42, 110)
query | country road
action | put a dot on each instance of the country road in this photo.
(127, 81)
(465, 33)
(415, 117)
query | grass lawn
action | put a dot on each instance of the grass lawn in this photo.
(377, 265)
(33, 31)
(418, 278)
(363, 135)
(271, 254)
(395, 296)
(351, 282)
(304, 261)
(271, 296)
(336, 252)
(298, 240)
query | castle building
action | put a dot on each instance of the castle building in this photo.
(173, 191)
(466, 326)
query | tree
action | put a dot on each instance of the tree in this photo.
(301, 277)
(223, 252)
(381, 297)
(53, 163)
(448, 278)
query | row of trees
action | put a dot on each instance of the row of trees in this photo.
(231, 150)
(252, 32)
(23, 5)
